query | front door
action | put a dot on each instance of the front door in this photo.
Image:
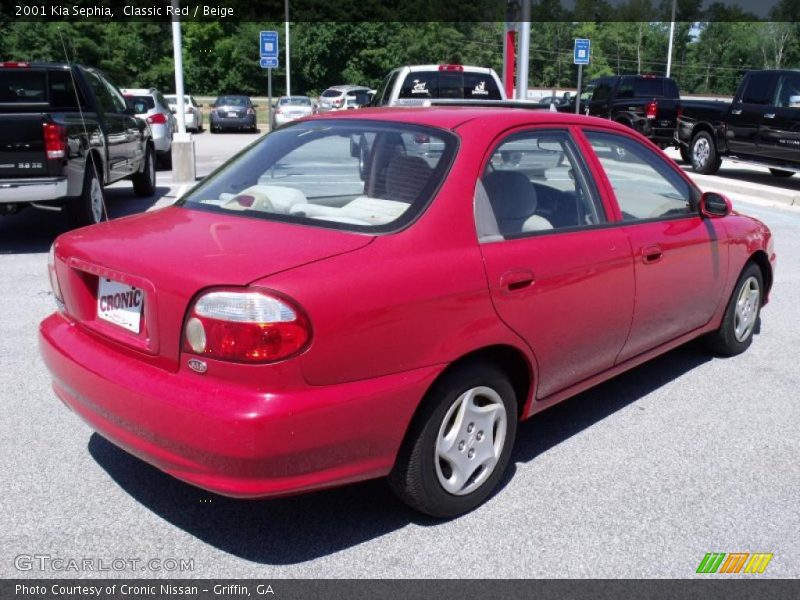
(780, 128)
(746, 114)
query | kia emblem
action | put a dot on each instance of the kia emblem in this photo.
(197, 365)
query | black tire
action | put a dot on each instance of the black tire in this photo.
(144, 183)
(781, 173)
(703, 154)
(686, 157)
(165, 159)
(89, 207)
(417, 475)
(725, 340)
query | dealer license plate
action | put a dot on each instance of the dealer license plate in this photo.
(120, 304)
(232, 115)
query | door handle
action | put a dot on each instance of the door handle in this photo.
(512, 281)
(769, 116)
(736, 111)
(652, 254)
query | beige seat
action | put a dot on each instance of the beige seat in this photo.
(513, 201)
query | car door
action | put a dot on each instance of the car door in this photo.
(599, 104)
(780, 127)
(679, 260)
(747, 112)
(559, 276)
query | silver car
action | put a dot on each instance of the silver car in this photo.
(150, 104)
(194, 111)
(289, 108)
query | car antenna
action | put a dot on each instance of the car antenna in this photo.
(80, 111)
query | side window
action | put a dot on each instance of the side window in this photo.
(759, 89)
(384, 95)
(602, 91)
(105, 101)
(646, 187)
(480, 86)
(789, 92)
(535, 182)
(420, 85)
(116, 97)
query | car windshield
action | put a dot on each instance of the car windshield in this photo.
(296, 101)
(357, 175)
(231, 101)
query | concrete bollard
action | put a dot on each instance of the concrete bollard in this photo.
(184, 169)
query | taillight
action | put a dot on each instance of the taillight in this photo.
(451, 67)
(679, 113)
(278, 111)
(338, 102)
(55, 140)
(13, 63)
(250, 111)
(245, 325)
(189, 110)
(157, 119)
(51, 272)
(651, 110)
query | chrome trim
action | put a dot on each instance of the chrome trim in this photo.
(32, 190)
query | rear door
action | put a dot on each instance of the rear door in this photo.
(558, 275)
(598, 105)
(780, 127)
(111, 111)
(679, 263)
(747, 112)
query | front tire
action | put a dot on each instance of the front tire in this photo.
(460, 442)
(741, 316)
(144, 183)
(90, 207)
(704, 157)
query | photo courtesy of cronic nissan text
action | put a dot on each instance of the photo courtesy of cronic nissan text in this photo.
(460, 299)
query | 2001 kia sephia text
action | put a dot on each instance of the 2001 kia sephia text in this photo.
(388, 292)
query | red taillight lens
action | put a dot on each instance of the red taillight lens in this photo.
(245, 325)
(451, 67)
(651, 110)
(250, 111)
(55, 140)
(157, 119)
(679, 113)
(13, 63)
(337, 102)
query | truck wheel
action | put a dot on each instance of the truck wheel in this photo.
(781, 173)
(90, 206)
(685, 155)
(459, 444)
(144, 183)
(704, 154)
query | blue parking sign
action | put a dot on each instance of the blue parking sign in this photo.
(581, 53)
(268, 49)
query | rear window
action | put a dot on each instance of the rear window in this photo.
(232, 101)
(141, 103)
(331, 93)
(296, 101)
(24, 86)
(356, 175)
(450, 84)
(642, 87)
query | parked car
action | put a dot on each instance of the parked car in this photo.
(344, 97)
(648, 104)
(414, 84)
(66, 133)
(760, 126)
(289, 108)
(150, 105)
(193, 118)
(233, 112)
(548, 100)
(332, 324)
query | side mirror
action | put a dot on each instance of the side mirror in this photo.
(714, 205)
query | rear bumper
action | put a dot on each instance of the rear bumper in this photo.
(226, 439)
(40, 189)
(233, 122)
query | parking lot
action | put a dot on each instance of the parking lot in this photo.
(639, 477)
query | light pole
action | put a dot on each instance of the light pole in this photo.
(671, 35)
(183, 159)
(524, 51)
(288, 69)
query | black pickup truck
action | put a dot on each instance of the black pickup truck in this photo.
(65, 133)
(647, 103)
(761, 125)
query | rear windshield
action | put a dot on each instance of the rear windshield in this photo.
(296, 101)
(24, 86)
(449, 84)
(356, 175)
(645, 87)
(231, 101)
(141, 103)
(331, 93)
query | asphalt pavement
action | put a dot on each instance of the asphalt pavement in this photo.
(639, 477)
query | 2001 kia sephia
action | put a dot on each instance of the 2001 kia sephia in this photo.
(388, 293)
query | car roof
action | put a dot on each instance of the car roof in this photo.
(347, 88)
(452, 117)
(139, 91)
(465, 68)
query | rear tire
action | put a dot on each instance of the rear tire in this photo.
(781, 173)
(88, 208)
(704, 157)
(144, 183)
(459, 444)
(741, 319)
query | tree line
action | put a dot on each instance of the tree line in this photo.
(220, 57)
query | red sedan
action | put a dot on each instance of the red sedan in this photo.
(388, 292)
